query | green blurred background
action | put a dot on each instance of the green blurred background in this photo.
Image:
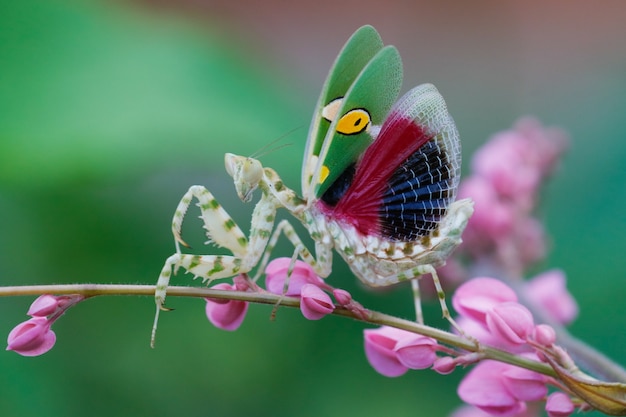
(109, 111)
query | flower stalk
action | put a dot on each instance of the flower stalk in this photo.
(372, 317)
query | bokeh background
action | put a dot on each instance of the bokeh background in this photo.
(109, 111)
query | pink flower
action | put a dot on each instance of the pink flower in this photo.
(225, 314)
(559, 405)
(505, 162)
(416, 351)
(548, 290)
(379, 350)
(43, 306)
(493, 219)
(501, 389)
(32, 337)
(315, 303)
(515, 161)
(276, 273)
(524, 384)
(510, 322)
(392, 352)
(477, 296)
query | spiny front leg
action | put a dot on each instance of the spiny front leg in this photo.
(220, 228)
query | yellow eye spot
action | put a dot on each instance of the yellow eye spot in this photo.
(324, 171)
(353, 122)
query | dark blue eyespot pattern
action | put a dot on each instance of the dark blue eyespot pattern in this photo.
(418, 194)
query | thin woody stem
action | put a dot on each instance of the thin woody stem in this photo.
(372, 317)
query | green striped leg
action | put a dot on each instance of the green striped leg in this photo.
(221, 229)
(413, 274)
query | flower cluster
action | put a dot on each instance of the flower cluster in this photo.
(489, 312)
(301, 281)
(507, 173)
(34, 337)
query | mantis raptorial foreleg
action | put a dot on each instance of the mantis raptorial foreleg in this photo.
(222, 230)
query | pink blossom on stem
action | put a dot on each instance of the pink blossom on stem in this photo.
(314, 302)
(500, 389)
(559, 405)
(526, 385)
(506, 163)
(32, 337)
(548, 290)
(226, 314)
(276, 273)
(477, 296)
(516, 160)
(379, 350)
(506, 175)
(416, 351)
(392, 352)
(511, 322)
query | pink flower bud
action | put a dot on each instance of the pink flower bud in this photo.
(548, 290)
(315, 303)
(43, 306)
(444, 365)
(276, 273)
(544, 335)
(32, 337)
(343, 297)
(379, 350)
(511, 322)
(474, 298)
(416, 352)
(559, 405)
(225, 314)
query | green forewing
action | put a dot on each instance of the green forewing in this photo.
(357, 52)
(375, 90)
